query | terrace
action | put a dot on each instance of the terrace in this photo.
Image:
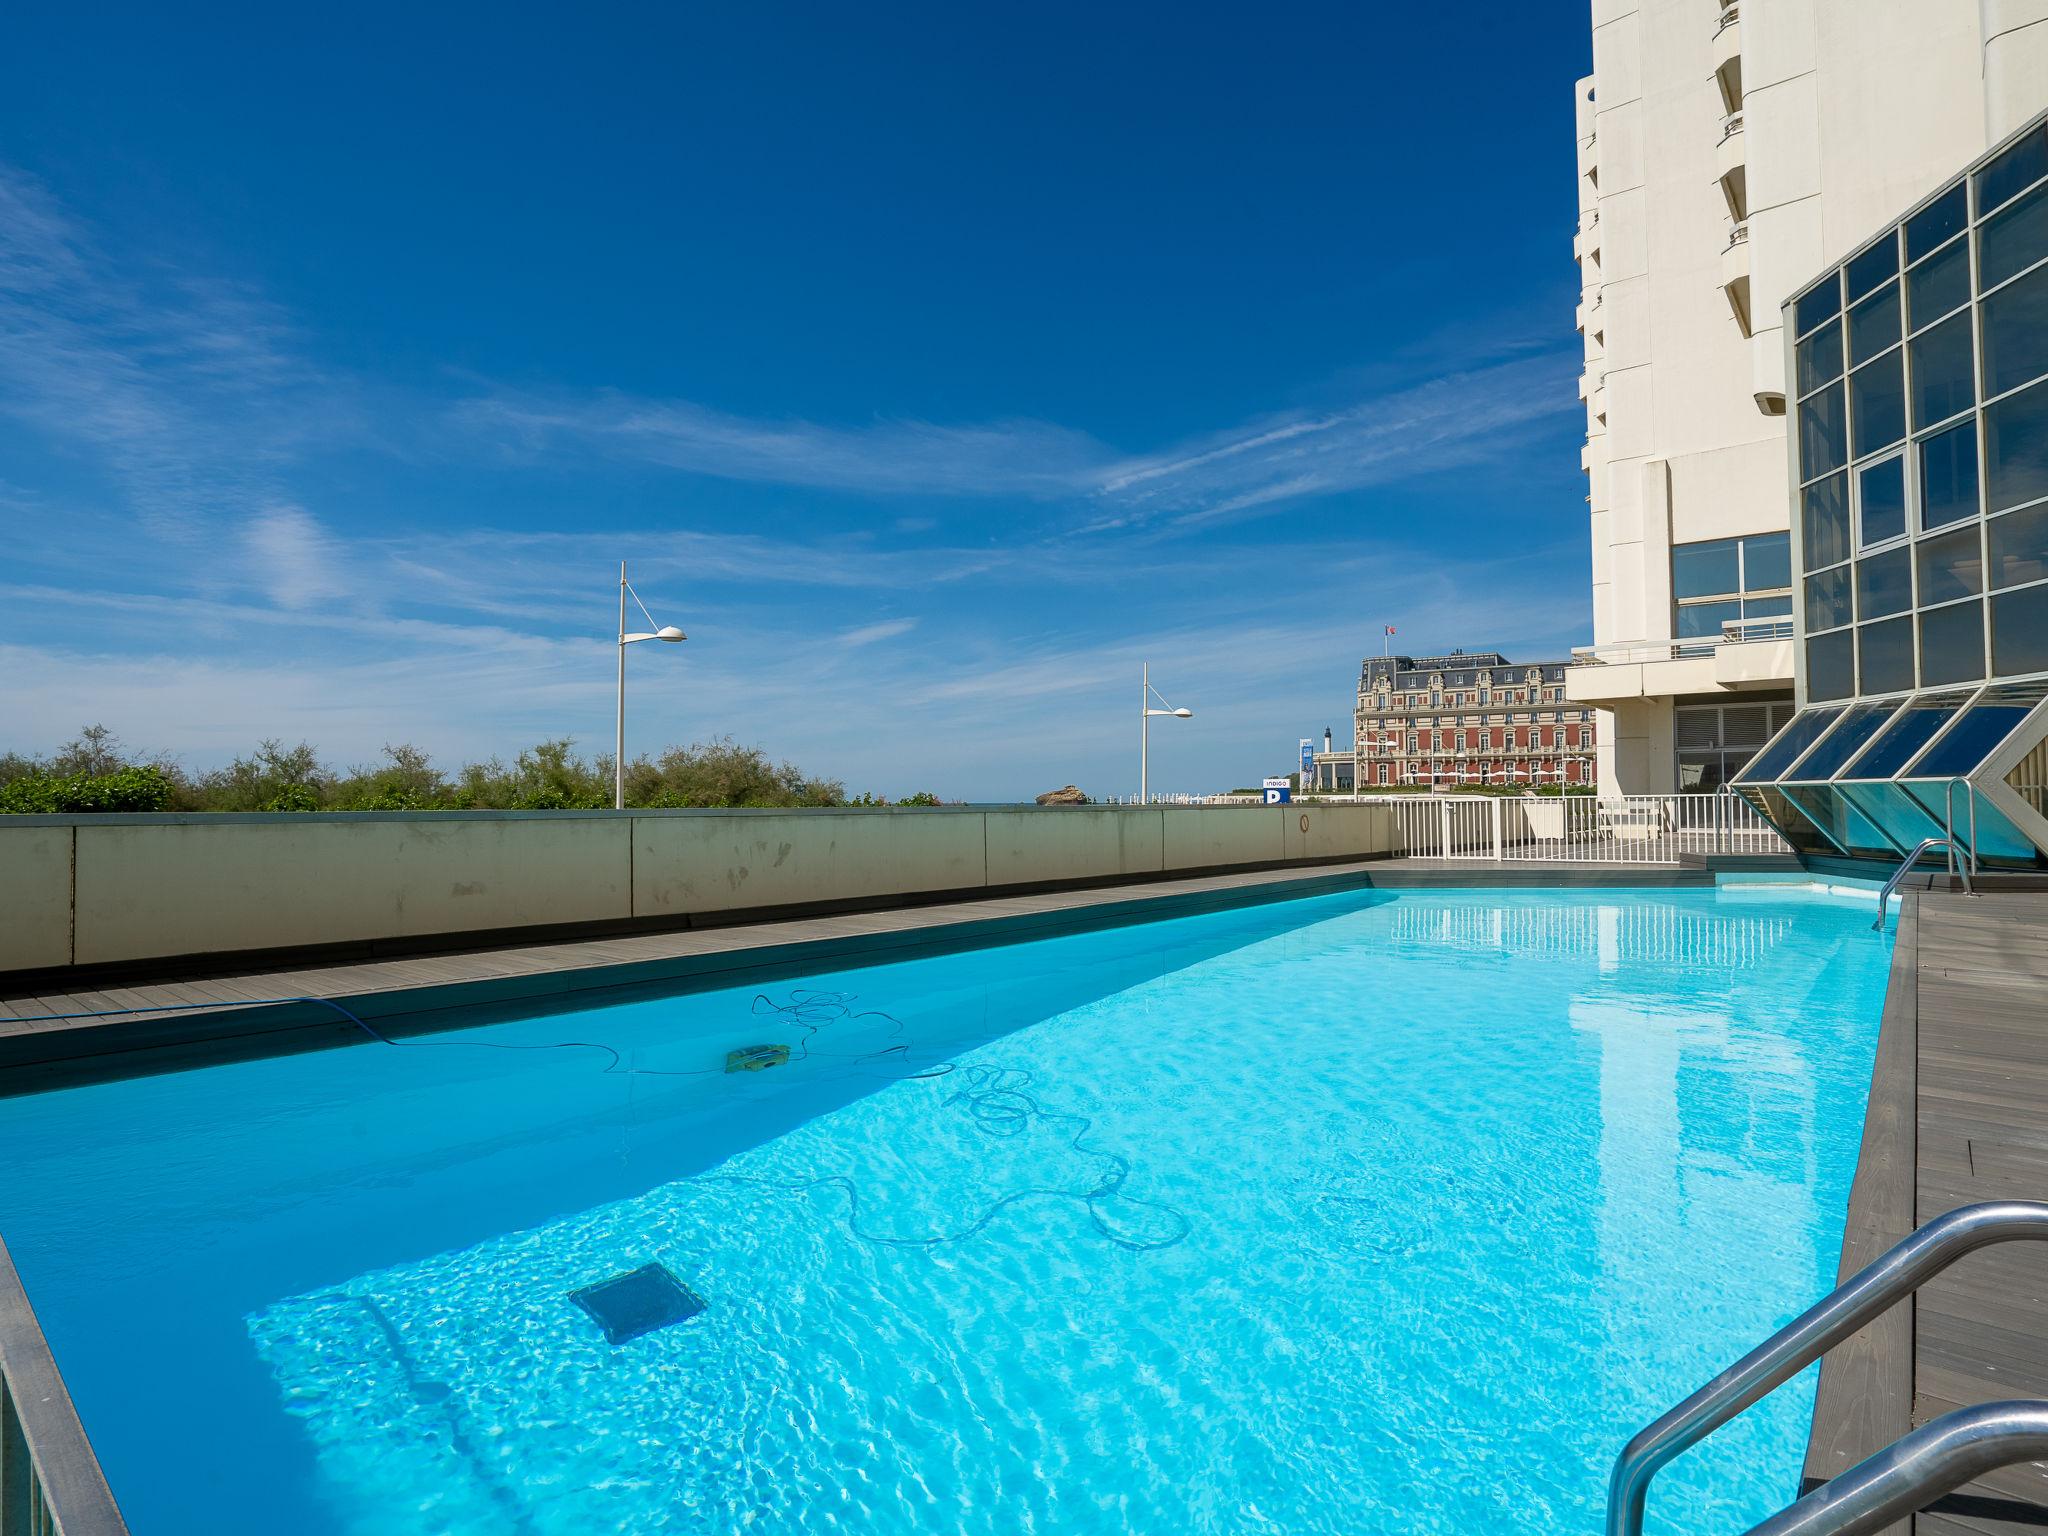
(1956, 1103)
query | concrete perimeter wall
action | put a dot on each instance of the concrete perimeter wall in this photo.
(94, 890)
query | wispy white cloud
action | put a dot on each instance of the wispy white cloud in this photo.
(1428, 423)
(295, 559)
(184, 387)
(873, 634)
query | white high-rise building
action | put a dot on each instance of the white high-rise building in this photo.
(1727, 153)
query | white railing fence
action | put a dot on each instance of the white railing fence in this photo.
(1628, 829)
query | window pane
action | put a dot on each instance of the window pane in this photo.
(1952, 644)
(2016, 448)
(1768, 607)
(1827, 599)
(1882, 490)
(1791, 743)
(1937, 221)
(1970, 740)
(1820, 301)
(1705, 569)
(2019, 546)
(1884, 584)
(2018, 168)
(1819, 357)
(1822, 443)
(1845, 740)
(1831, 665)
(1886, 653)
(1874, 324)
(2017, 238)
(1867, 269)
(1913, 728)
(1939, 285)
(1942, 371)
(1766, 561)
(2019, 632)
(1951, 566)
(1948, 476)
(1877, 404)
(1824, 522)
(2016, 333)
(1702, 620)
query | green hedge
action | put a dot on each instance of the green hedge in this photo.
(126, 789)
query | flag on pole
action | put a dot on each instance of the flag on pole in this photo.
(1390, 629)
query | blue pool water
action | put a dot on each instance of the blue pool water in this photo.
(1363, 1213)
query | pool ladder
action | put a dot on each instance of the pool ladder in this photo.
(1911, 1472)
(1947, 841)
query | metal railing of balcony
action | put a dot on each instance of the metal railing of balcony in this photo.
(1730, 14)
(1738, 234)
(1733, 632)
(1731, 125)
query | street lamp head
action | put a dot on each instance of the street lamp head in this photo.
(669, 632)
(1184, 714)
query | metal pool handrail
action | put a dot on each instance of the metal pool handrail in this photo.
(1914, 1470)
(1898, 1272)
(1925, 846)
(50, 1481)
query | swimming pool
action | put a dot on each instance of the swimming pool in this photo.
(1364, 1212)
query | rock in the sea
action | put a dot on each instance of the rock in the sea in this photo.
(1067, 796)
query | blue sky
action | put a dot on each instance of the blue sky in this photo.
(933, 366)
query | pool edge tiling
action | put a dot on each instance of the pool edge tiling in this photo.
(1636, 1113)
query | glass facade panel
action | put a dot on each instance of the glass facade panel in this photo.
(1831, 665)
(2016, 333)
(1844, 741)
(1952, 644)
(1871, 266)
(1766, 562)
(1971, 739)
(2019, 632)
(1844, 826)
(1824, 520)
(1873, 324)
(1702, 620)
(1885, 656)
(1951, 566)
(1818, 303)
(1881, 501)
(1892, 811)
(1938, 285)
(1818, 359)
(1911, 729)
(1788, 745)
(1948, 476)
(1827, 599)
(1877, 404)
(1937, 221)
(2016, 449)
(2013, 241)
(1884, 583)
(1823, 442)
(1706, 569)
(2019, 546)
(2013, 171)
(1998, 841)
(1943, 371)
(1767, 607)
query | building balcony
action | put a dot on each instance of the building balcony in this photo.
(1727, 55)
(1753, 653)
(1586, 240)
(1731, 166)
(1735, 274)
(1589, 156)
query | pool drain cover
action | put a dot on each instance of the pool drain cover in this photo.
(637, 1302)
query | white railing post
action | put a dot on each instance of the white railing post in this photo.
(1493, 805)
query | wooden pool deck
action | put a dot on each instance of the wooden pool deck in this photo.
(1958, 1115)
